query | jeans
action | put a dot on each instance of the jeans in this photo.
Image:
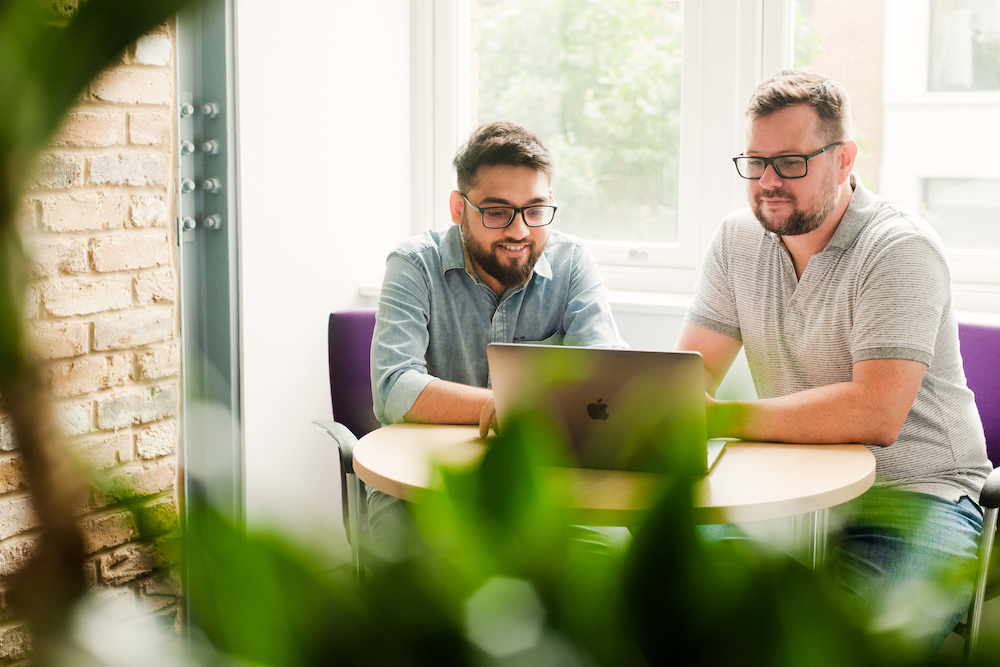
(908, 561)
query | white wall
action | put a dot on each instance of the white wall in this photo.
(323, 100)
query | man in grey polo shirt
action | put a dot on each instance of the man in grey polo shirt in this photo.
(498, 275)
(842, 301)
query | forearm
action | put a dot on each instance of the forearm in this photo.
(839, 413)
(443, 402)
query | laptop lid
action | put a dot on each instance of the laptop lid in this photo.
(617, 409)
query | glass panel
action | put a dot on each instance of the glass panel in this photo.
(964, 211)
(965, 45)
(600, 82)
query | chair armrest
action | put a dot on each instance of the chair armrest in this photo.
(345, 441)
(990, 495)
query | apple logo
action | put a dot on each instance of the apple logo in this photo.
(598, 410)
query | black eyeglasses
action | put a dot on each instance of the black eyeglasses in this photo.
(785, 166)
(498, 217)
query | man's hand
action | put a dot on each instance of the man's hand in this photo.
(488, 418)
(870, 409)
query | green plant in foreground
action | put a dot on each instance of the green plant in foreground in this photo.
(498, 576)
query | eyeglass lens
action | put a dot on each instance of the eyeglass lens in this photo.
(792, 166)
(501, 216)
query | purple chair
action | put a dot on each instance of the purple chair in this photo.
(349, 344)
(981, 358)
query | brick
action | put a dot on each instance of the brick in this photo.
(134, 250)
(74, 419)
(146, 480)
(57, 171)
(128, 170)
(140, 406)
(156, 287)
(107, 531)
(91, 374)
(159, 517)
(106, 452)
(160, 591)
(25, 216)
(126, 564)
(16, 516)
(148, 211)
(7, 443)
(57, 340)
(133, 329)
(153, 49)
(12, 475)
(15, 554)
(132, 87)
(148, 128)
(15, 643)
(92, 129)
(32, 302)
(83, 297)
(117, 603)
(83, 212)
(156, 440)
(158, 363)
(51, 258)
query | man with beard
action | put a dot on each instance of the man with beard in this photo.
(498, 275)
(843, 304)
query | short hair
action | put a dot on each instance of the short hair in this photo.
(791, 87)
(501, 143)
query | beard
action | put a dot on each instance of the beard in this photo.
(800, 221)
(507, 272)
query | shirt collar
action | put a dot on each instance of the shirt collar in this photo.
(860, 211)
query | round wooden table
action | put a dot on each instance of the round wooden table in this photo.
(750, 482)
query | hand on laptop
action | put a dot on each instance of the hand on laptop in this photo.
(488, 418)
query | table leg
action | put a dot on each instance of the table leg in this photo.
(809, 532)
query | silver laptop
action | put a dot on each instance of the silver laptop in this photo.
(616, 409)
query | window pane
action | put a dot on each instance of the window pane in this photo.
(965, 45)
(599, 81)
(964, 211)
(928, 150)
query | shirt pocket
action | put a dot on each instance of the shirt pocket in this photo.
(554, 339)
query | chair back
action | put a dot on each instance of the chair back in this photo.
(980, 346)
(349, 348)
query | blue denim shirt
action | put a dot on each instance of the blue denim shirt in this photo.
(435, 318)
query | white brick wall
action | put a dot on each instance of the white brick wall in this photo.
(103, 317)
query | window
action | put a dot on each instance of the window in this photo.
(965, 45)
(965, 211)
(600, 82)
(649, 201)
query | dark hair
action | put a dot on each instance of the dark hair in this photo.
(501, 143)
(804, 86)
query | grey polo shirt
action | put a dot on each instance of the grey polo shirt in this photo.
(881, 289)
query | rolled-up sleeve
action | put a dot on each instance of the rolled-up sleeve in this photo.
(399, 344)
(587, 317)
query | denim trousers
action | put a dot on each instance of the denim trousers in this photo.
(907, 560)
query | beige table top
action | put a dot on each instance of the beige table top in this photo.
(750, 482)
